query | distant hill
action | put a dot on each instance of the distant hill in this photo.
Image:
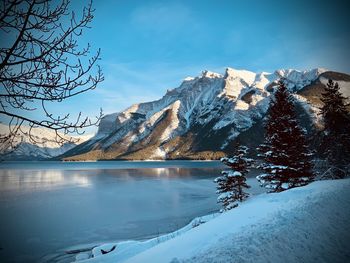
(40, 146)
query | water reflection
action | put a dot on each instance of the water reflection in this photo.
(45, 180)
(109, 165)
(21, 177)
(40, 180)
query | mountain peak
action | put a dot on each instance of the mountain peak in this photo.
(210, 74)
(238, 72)
(242, 75)
(297, 79)
(309, 73)
(188, 79)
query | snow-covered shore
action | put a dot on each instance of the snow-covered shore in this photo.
(306, 224)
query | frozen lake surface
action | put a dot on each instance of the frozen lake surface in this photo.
(48, 207)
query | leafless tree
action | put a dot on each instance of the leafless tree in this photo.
(42, 62)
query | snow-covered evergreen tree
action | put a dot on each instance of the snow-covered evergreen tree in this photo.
(231, 183)
(335, 144)
(285, 150)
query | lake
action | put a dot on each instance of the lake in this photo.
(48, 208)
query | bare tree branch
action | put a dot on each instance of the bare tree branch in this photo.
(40, 61)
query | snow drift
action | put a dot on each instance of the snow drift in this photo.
(305, 224)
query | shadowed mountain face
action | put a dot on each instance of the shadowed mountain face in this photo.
(204, 116)
(314, 90)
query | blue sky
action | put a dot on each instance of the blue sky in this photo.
(150, 46)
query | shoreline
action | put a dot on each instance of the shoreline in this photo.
(80, 252)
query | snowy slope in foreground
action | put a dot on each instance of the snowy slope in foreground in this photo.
(306, 224)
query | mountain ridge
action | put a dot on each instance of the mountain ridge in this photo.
(199, 119)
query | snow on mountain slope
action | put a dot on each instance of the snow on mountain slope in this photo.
(40, 145)
(299, 79)
(307, 224)
(205, 113)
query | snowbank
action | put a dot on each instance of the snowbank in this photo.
(127, 249)
(306, 224)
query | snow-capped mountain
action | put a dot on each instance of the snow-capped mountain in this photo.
(201, 118)
(40, 145)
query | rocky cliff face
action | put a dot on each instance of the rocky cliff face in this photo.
(202, 117)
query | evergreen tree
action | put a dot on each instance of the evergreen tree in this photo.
(231, 184)
(335, 145)
(285, 150)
